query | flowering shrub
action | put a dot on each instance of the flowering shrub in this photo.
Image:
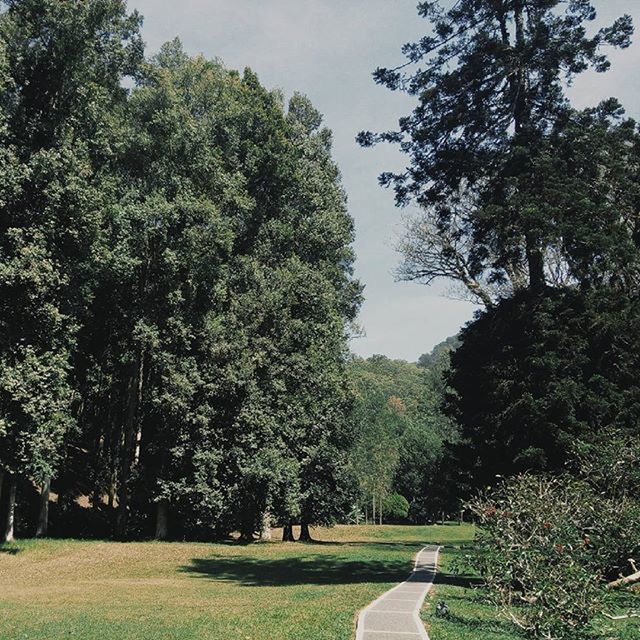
(544, 549)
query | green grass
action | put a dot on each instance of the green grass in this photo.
(87, 590)
(472, 617)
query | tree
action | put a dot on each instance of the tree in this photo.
(534, 376)
(400, 432)
(62, 65)
(489, 82)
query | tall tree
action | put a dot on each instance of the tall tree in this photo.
(489, 82)
(63, 64)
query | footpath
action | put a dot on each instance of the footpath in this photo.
(395, 615)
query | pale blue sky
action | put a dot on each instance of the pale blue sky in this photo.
(328, 49)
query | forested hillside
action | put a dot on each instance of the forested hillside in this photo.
(175, 289)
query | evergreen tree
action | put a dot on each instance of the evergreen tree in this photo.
(489, 82)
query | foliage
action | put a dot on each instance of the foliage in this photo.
(546, 544)
(401, 431)
(176, 284)
(539, 541)
(395, 507)
(535, 375)
(485, 141)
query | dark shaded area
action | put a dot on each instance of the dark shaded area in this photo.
(491, 626)
(464, 581)
(314, 569)
(10, 551)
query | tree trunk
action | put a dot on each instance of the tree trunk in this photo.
(162, 520)
(373, 508)
(380, 511)
(522, 117)
(287, 533)
(9, 533)
(128, 453)
(2, 518)
(305, 534)
(43, 514)
(265, 533)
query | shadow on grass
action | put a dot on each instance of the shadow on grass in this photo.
(491, 626)
(310, 570)
(10, 551)
(453, 580)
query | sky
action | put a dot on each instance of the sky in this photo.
(327, 49)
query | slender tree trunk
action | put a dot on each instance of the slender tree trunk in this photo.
(2, 518)
(522, 117)
(305, 534)
(287, 533)
(380, 510)
(373, 508)
(9, 533)
(43, 514)
(162, 520)
(366, 514)
(128, 453)
(265, 533)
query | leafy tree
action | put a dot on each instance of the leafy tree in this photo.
(62, 67)
(535, 375)
(400, 432)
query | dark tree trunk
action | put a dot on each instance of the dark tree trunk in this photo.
(305, 534)
(162, 520)
(43, 514)
(287, 533)
(128, 453)
(9, 533)
(522, 120)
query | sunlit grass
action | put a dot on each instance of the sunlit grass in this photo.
(87, 590)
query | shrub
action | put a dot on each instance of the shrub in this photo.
(395, 507)
(541, 546)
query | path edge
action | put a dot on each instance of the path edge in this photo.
(416, 611)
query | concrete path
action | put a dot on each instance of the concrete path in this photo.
(396, 614)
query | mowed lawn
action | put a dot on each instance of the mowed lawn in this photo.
(88, 590)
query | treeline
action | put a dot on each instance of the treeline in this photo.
(175, 289)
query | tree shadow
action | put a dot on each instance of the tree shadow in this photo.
(311, 570)
(454, 580)
(10, 551)
(493, 625)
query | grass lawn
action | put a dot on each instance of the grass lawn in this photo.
(473, 618)
(87, 590)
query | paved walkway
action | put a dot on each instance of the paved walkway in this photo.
(396, 614)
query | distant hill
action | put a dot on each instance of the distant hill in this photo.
(438, 353)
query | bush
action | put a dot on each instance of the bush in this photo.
(395, 507)
(544, 549)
